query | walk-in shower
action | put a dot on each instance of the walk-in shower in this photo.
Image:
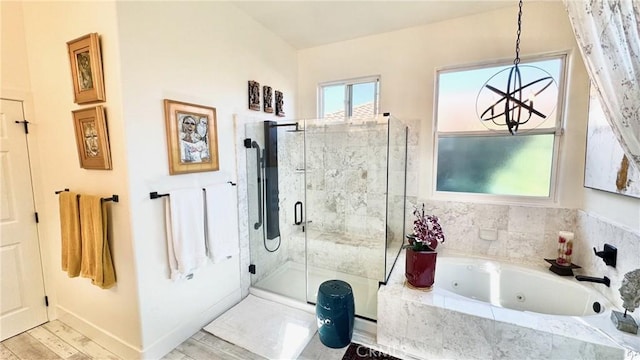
(326, 200)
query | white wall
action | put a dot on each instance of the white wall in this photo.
(618, 209)
(14, 71)
(202, 53)
(407, 61)
(111, 316)
(198, 52)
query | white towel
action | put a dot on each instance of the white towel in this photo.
(184, 211)
(222, 221)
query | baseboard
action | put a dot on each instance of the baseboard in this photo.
(156, 350)
(98, 335)
(185, 330)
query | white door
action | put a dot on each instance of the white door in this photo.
(22, 302)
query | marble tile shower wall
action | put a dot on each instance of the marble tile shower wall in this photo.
(356, 149)
(345, 196)
(526, 234)
(346, 193)
(347, 178)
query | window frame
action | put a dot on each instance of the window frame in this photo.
(557, 130)
(348, 95)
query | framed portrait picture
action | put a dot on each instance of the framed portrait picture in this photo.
(192, 137)
(92, 138)
(86, 69)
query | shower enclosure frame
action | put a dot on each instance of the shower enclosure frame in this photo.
(303, 223)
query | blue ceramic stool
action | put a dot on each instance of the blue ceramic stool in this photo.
(335, 312)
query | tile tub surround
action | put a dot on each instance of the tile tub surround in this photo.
(528, 234)
(522, 233)
(596, 232)
(441, 324)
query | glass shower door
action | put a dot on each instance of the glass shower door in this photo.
(346, 182)
(275, 195)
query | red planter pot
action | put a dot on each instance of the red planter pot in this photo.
(420, 269)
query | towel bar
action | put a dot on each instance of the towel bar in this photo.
(114, 198)
(155, 195)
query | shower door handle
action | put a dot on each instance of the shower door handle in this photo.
(297, 210)
(258, 172)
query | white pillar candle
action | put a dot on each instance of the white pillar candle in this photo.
(565, 248)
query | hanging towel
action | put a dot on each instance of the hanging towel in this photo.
(96, 255)
(184, 211)
(70, 233)
(222, 222)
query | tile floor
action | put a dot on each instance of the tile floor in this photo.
(55, 340)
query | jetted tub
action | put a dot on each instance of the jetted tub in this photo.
(498, 311)
(517, 287)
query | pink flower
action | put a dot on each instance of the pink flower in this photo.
(427, 230)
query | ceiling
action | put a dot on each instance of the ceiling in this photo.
(305, 23)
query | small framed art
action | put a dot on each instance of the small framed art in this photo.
(254, 95)
(267, 99)
(192, 137)
(86, 69)
(279, 103)
(92, 138)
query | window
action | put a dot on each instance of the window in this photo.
(349, 98)
(479, 157)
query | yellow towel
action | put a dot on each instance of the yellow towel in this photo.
(96, 255)
(70, 233)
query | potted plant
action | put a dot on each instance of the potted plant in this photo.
(421, 252)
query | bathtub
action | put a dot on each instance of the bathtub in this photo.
(485, 309)
(517, 287)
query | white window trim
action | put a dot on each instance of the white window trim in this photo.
(347, 96)
(558, 130)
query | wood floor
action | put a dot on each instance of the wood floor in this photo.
(55, 340)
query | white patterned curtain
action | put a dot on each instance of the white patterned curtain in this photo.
(608, 34)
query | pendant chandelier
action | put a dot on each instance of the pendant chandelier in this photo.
(514, 106)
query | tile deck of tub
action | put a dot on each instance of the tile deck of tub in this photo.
(439, 323)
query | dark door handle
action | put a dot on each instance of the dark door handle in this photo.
(297, 210)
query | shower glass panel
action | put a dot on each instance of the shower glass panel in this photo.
(352, 193)
(396, 192)
(275, 193)
(339, 205)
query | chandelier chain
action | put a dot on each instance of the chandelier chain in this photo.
(516, 61)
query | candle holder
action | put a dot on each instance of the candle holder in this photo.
(565, 248)
(562, 270)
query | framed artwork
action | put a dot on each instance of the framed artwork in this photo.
(254, 95)
(92, 138)
(192, 137)
(279, 103)
(267, 99)
(607, 167)
(86, 69)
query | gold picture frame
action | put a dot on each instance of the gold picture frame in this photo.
(92, 138)
(86, 69)
(192, 137)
